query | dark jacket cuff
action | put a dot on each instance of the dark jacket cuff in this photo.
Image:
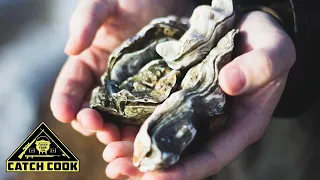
(282, 11)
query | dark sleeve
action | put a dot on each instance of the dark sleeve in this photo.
(301, 21)
(302, 89)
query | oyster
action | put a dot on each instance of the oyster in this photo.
(166, 80)
(171, 127)
(137, 78)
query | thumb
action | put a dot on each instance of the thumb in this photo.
(85, 22)
(256, 68)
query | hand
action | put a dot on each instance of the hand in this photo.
(97, 27)
(256, 78)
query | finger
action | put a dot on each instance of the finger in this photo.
(128, 133)
(73, 83)
(90, 119)
(269, 52)
(85, 21)
(77, 126)
(108, 134)
(255, 69)
(122, 167)
(116, 150)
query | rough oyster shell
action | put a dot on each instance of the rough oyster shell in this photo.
(166, 79)
(207, 26)
(137, 79)
(170, 128)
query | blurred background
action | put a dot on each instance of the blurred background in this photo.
(32, 38)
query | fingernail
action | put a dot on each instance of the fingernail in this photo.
(235, 79)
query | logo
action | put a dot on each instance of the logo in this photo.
(42, 151)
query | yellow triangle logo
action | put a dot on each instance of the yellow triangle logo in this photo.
(42, 151)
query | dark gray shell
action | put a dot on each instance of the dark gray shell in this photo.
(137, 79)
(137, 51)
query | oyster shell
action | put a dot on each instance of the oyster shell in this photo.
(207, 26)
(166, 80)
(170, 128)
(137, 79)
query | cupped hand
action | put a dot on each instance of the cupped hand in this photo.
(255, 78)
(97, 27)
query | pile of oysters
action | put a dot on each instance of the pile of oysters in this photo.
(165, 79)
